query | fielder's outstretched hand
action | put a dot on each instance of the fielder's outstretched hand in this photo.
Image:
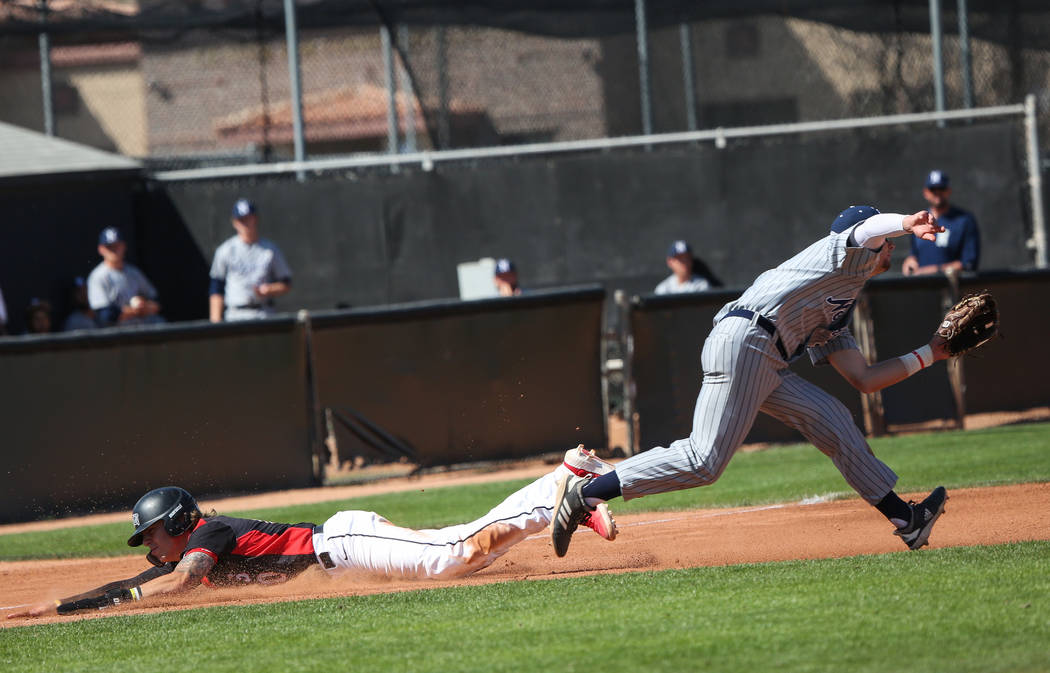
(923, 224)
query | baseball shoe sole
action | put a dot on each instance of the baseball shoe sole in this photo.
(923, 515)
(570, 509)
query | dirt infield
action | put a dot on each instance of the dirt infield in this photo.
(646, 542)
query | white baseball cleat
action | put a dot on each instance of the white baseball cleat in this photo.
(584, 463)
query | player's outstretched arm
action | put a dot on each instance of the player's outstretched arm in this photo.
(51, 606)
(155, 582)
(852, 366)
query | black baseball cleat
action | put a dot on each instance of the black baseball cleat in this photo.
(923, 515)
(570, 509)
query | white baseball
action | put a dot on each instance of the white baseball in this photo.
(136, 302)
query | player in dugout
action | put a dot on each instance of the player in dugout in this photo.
(188, 548)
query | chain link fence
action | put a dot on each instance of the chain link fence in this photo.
(199, 95)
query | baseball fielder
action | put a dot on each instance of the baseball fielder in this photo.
(188, 548)
(802, 305)
(247, 271)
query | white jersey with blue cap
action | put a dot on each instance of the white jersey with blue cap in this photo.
(110, 289)
(239, 268)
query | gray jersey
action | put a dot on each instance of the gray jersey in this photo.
(810, 297)
(115, 287)
(670, 285)
(242, 267)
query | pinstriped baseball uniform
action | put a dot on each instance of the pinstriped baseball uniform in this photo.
(809, 299)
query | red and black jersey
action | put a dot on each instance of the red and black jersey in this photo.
(249, 551)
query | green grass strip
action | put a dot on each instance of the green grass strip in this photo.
(939, 610)
(1008, 454)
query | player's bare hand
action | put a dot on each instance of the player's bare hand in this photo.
(263, 289)
(37, 610)
(923, 224)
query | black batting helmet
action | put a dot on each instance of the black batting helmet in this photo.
(170, 504)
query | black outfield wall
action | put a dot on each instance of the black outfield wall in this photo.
(96, 420)
(468, 381)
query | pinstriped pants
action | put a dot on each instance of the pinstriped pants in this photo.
(744, 374)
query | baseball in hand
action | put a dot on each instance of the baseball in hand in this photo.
(136, 302)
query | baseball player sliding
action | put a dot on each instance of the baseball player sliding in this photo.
(802, 305)
(188, 548)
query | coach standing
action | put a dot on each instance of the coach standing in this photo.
(956, 248)
(247, 272)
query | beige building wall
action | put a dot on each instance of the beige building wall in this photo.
(115, 98)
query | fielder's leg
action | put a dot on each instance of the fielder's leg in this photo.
(740, 371)
(740, 365)
(829, 426)
(827, 423)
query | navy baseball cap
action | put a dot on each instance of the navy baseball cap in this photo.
(504, 265)
(109, 236)
(243, 208)
(679, 248)
(852, 216)
(937, 180)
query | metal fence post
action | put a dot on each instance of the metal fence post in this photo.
(965, 56)
(391, 91)
(623, 307)
(444, 131)
(688, 75)
(938, 61)
(410, 93)
(1035, 181)
(292, 40)
(643, 66)
(45, 72)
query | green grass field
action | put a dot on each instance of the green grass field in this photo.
(957, 610)
(938, 610)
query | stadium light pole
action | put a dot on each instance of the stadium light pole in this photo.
(294, 74)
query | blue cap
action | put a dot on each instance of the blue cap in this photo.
(504, 265)
(679, 248)
(851, 216)
(109, 236)
(243, 208)
(937, 180)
